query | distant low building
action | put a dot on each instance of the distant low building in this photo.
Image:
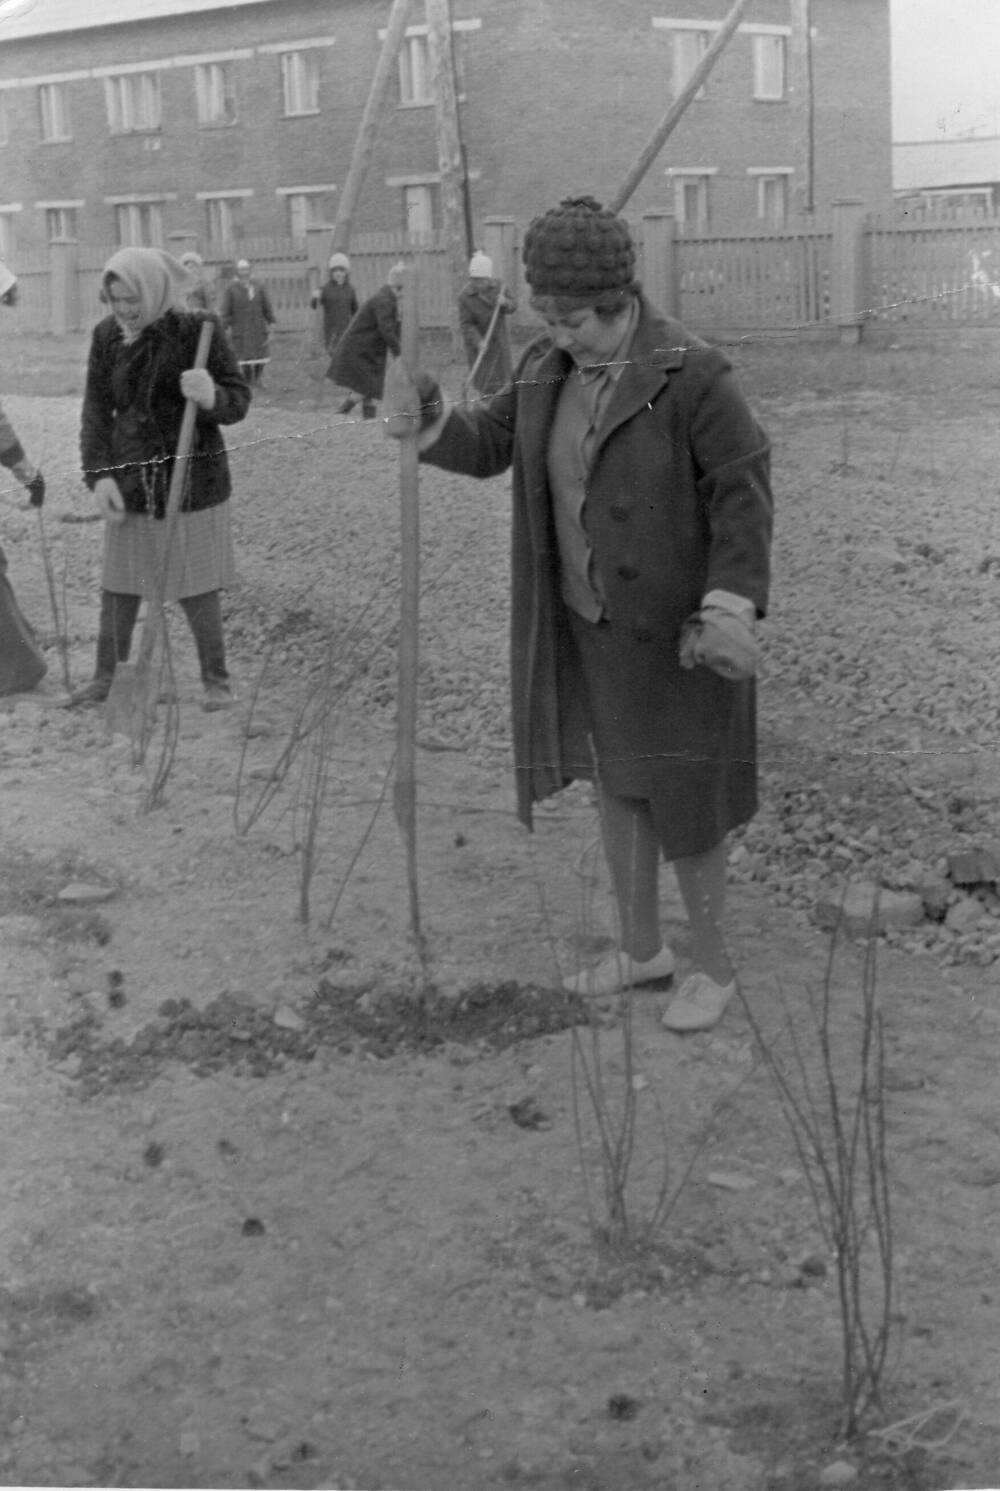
(933, 176)
(144, 121)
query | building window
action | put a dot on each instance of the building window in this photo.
(421, 209)
(133, 101)
(691, 197)
(215, 93)
(689, 48)
(60, 222)
(772, 197)
(139, 224)
(300, 82)
(768, 66)
(224, 219)
(53, 111)
(4, 122)
(307, 209)
(415, 71)
(8, 241)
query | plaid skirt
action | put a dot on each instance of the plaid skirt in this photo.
(201, 557)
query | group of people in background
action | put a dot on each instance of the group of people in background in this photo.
(245, 310)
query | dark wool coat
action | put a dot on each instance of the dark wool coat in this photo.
(133, 407)
(247, 320)
(340, 305)
(678, 503)
(359, 357)
(475, 313)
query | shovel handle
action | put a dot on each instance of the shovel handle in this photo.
(174, 494)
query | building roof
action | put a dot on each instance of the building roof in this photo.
(23, 19)
(926, 165)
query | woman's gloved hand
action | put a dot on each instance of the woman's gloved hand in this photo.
(198, 384)
(722, 641)
(411, 404)
(108, 500)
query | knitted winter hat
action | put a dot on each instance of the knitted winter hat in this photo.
(480, 266)
(578, 249)
(339, 261)
(397, 273)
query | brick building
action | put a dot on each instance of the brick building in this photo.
(135, 120)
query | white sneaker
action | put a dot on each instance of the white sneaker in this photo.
(699, 1004)
(620, 971)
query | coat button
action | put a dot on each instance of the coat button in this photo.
(627, 572)
(617, 513)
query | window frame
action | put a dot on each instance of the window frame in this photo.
(4, 119)
(54, 130)
(120, 90)
(149, 214)
(415, 48)
(685, 34)
(206, 91)
(761, 42)
(303, 61)
(683, 177)
(68, 221)
(430, 200)
(225, 209)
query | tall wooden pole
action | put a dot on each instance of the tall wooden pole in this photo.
(364, 145)
(405, 792)
(450, 163)
(678, 108)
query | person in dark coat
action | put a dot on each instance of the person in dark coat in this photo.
(484, 327)
(359, 359)
(642, 517)
(21, 662)
(339, 302)
(248, 317)
(140, 374)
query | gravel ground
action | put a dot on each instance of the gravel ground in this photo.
(880, 689)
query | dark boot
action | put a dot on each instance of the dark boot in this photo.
(368, 408)
(204, 614)
(114, 642)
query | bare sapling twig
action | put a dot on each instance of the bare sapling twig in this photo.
(166, 694)
(316, 778)
(838, 1126)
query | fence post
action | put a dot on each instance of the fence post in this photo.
(661, 278)
(319, 241)
(64, 290)
(848, 279)
(500, 243)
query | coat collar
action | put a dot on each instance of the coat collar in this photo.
(658, 348)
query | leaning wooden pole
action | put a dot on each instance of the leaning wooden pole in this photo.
(405, 790)
(678, 108)
(364, 145)
(450, 167)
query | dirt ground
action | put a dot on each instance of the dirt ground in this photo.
(284, 1211)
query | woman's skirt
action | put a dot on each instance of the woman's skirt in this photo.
(201, 556)
(684, 740)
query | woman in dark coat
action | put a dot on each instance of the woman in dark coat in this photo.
(360, 356)
(640, 561)
(139, 375)
(338, 299)
(481, 322)
(248, 317)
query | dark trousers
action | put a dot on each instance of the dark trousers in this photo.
(204, 616)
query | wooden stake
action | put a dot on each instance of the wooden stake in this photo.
(405, 791)
(364, 145)
(678, 108)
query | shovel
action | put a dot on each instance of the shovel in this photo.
(131, 700)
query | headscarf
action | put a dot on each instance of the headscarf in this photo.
(192, 260)
(153, 276)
